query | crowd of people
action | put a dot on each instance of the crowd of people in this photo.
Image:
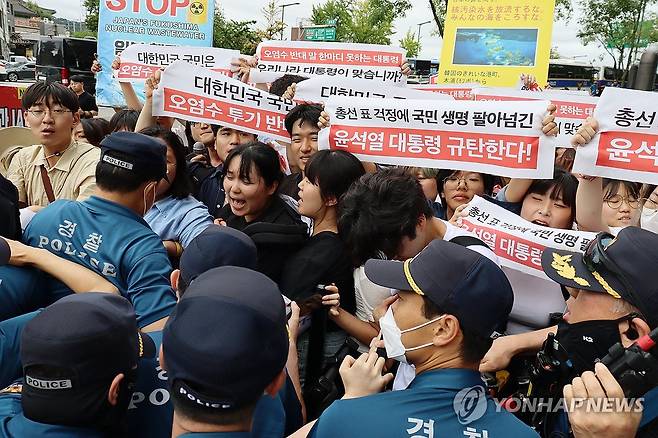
(167, 278)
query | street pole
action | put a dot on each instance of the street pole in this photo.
(283, 11)
(420, 25)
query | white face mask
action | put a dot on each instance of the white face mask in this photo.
(649, 220)
(392, 336)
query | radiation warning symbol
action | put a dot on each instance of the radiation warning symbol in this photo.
(196, 8)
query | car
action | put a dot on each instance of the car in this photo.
(59, 58)
(17, 58)
(20, 70)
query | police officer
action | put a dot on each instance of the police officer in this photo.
(151, 412)
(612, 300)
(239, 351)
(451, 302)
(79, 359)
(106, 232)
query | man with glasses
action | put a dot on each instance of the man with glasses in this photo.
(59, 167)
(612, 299)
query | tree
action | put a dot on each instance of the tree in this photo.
(91, 20)
(411, 44)
(619, 27)
(554, 53)
(273, 25)
(41, 12)
(362, 21)
(232, 34)
(439, 8)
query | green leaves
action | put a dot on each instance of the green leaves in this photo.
(411, 44)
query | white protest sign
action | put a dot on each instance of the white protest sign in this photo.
(626, 145)
(195, 93)
(347, 60)
(139, 61)
(458, 91)
(518, 243)
(500, 138)
(572, 109)
(319, 89)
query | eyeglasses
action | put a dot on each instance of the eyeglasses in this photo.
(617, 200)
(54, 113)
(453, 181)
(595, 258)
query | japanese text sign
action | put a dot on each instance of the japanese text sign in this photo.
(501, 138)
(350, 61)
(139, 61)
(122, 23)
(571, 109)
(194, 93)
(626, 145)
(519, 244)
(493, 41)
(319, 89)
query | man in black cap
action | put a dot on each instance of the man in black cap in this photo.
(613, 299)
(79, 361)
(239, 351)
(106, 233)
(451, 302)
(88, 107)
(151, 412)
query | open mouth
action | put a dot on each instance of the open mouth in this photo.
(237, 204)
(540, 222)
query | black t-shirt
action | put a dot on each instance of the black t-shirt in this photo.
(323, 260)
(87, 102)
(278, 233)
(10, 222)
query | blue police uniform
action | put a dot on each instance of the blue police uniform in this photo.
(10, 339)
(13, 423)
(22, 290)
(113, 241)
(439, 403)
(150, 412)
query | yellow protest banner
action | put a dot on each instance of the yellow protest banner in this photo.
(493, 41)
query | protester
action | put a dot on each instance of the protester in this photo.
(88, 107)
(10, 224)
(175, 216)
(215, 383)
(106, 232)
(124, 120)
(89, 132)
(434, 326)
(323, 260)
(302, 125)
(649, 216)
(457, 188)
(79, 360)
(253, 175)
(59, 167)
(428, 179)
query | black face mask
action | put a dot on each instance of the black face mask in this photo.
(587, 341)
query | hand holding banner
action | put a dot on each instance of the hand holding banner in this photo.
(519, 244)
(350, 61)
(460, 135)
(195, 93)
(319, 89)
(139, 61)
(626, 146)
(572, 108)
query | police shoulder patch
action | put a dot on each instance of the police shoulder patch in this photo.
(14, 388)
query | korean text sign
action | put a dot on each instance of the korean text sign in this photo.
(519, 244)
(11, 109)
(319, 89)
(626, 145)
(346, 60)
(458, 92)
(501, 138)
(122, 23)
(571, 108)
(195, 93)
(493, 41)
(139, 61)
